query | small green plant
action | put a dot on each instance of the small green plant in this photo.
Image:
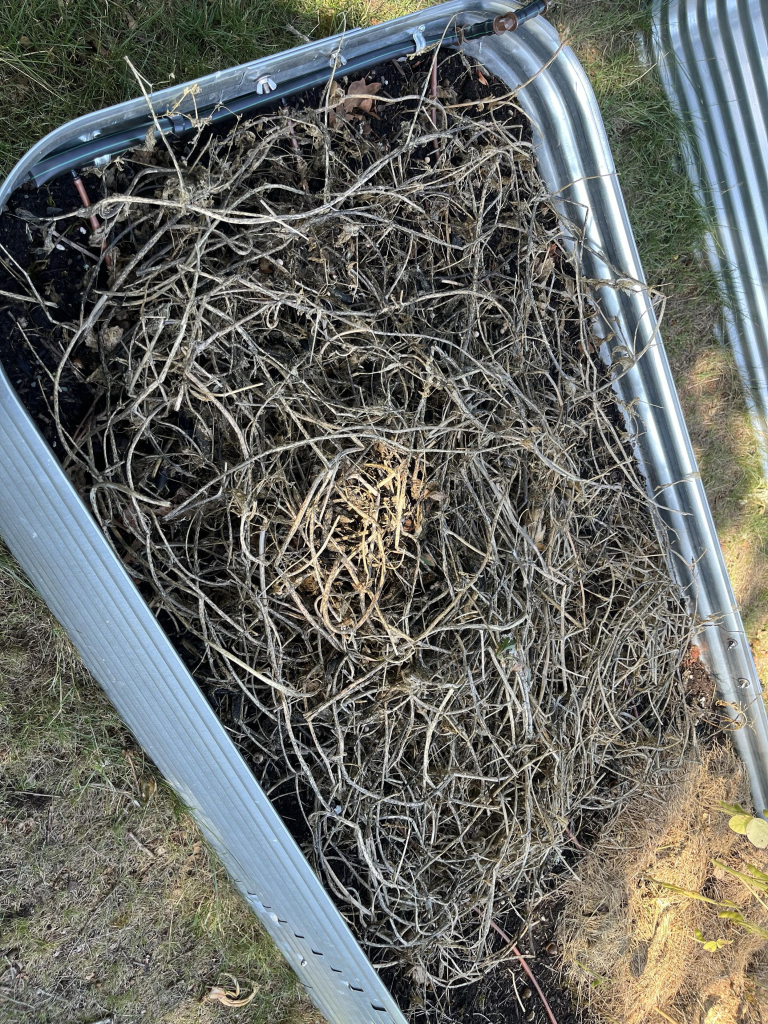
(749, 926)
(711, 945)
(745, 824)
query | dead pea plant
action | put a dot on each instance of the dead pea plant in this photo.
(353, 441)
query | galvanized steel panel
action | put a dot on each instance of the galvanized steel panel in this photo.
(713, 61)
(52, 534)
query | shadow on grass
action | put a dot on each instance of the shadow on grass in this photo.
(110, 904)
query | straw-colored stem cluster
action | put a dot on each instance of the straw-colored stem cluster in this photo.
(355, 444)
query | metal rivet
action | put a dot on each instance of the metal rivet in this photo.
(731, 643)
(302, 962)
(743, 683)
(265, 85)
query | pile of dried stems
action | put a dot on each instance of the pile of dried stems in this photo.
(354, 438)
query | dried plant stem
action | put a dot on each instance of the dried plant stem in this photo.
(353, 443)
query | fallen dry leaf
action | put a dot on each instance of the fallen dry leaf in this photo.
(147, 789)
(481, 77)
(358, 100)
(228, 997)
(360, 96)
(111, 338)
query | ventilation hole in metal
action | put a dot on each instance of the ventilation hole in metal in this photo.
(337, 970)
(381, 1009)
(317, 952)
(281, 920)
(356, 989)
(296, 935)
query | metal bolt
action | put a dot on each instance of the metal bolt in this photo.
(743, 683)
(731, 643)
(302, 962)
(265, 85)
(336, 56)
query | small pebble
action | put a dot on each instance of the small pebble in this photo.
(60, 247)
(83, 231)
(530, 1015)
(551, 947)
(526, 993)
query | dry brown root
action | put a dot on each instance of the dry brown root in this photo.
(356, 445)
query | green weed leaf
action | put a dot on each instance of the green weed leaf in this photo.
(739, 822)
(757, 832)
(731, 808)
(711, 945)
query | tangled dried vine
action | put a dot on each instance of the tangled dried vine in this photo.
(354, 441)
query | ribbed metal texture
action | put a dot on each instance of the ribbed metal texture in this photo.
(56, 541)
(712, 56)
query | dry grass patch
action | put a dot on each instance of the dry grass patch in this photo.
(111, 906)
(633, 946)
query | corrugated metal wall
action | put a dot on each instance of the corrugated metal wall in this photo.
(713, 60)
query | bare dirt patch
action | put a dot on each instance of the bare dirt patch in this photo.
(634, 948)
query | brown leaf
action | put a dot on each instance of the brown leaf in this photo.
(96, 44)
(359, 100)
(481, 77)
(360, 96)
(147, 789)
(227, 997)
(111, 338)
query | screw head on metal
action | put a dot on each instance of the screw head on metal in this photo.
(743, 683)
(731, 643)
(265, 85)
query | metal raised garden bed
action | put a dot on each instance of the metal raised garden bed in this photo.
(712, 62)
(59, 545)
